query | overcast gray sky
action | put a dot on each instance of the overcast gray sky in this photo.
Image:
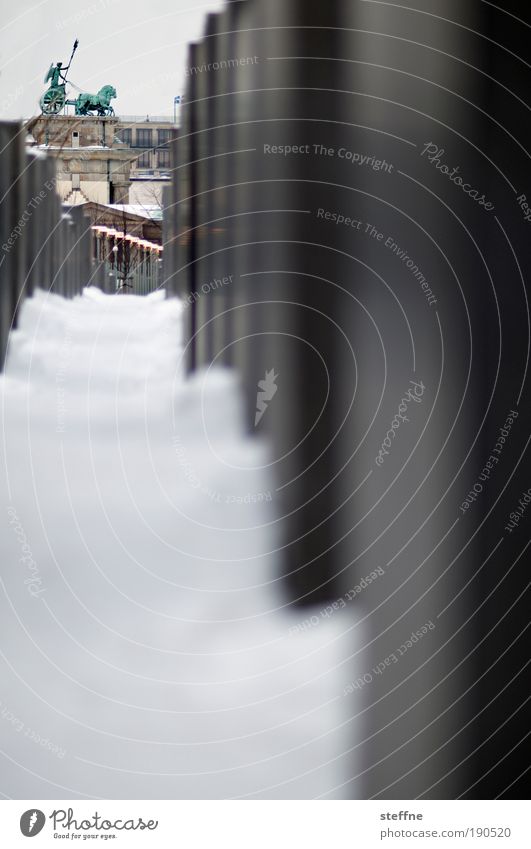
(137, 46)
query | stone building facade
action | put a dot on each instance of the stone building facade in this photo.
(149, 141)
(106, 160)
(92, 165)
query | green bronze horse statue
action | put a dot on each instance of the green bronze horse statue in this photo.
(99, 103)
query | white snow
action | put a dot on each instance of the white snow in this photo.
(149, 210)
(146, 647)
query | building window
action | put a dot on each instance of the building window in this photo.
(126, 136)
(144, 160)
(163, 158)
(164, 137)
(144, 138)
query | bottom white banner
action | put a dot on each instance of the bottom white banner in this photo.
(266, 824)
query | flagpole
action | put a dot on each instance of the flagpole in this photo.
(176, 99)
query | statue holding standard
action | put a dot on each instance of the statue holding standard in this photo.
(54, 99)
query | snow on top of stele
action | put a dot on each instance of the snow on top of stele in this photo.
(145, 634)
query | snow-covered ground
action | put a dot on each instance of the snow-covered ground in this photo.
(146, 649)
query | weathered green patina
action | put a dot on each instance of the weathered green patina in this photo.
(54, 98)
(98, 103)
